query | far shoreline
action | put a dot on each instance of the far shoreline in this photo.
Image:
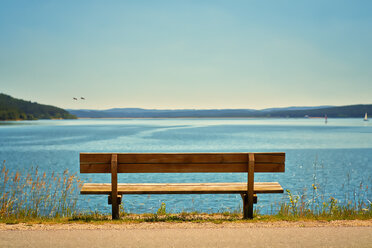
(184, 117)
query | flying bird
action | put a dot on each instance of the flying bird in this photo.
(74, 98)
(82, 98)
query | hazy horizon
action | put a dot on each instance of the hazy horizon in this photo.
(206, 108)
(187, 54)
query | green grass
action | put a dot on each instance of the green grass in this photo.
(173, 218)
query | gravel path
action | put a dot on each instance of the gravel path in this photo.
(265, 234)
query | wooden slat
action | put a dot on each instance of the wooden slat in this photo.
(269, 157)
(181, 158)
(95, 157)
(181, 188)
(181, 168)
(95, 168)
(148, 158)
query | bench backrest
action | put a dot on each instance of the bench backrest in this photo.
(181, 162)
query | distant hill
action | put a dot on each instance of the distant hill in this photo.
(295, 112)
(350, 111)
(295, 108)
(17, 109)
(155, 113)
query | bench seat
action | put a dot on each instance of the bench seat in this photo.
(243, 162)
(181, 188)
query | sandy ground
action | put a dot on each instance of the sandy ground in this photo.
(262, 234)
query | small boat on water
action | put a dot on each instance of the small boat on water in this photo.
(365, 117)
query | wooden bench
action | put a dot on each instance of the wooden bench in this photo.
(114, 163)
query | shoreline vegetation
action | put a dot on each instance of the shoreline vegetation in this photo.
(34, 197)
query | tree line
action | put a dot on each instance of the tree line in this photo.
(17, 109)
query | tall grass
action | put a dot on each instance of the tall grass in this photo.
(298, 206)
(33, 194)
(319, 204)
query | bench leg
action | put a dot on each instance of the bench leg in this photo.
(115, 211)
(248, 206)
(115, 206)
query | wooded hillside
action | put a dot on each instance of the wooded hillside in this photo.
(17, 109)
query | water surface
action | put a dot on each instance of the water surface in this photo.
(337, 155)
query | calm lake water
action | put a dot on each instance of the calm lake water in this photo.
(337, 155)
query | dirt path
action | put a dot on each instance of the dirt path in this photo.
(275, 234)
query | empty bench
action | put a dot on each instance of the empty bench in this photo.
(115, 163)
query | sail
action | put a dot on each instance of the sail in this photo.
(366, 117)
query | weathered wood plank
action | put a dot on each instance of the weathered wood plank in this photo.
(182, 188)
(95, 157)
(181, 158)
(148, 158)
(269, 157)
(181, 168)
(95, 168)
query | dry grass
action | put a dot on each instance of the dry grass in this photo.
(35, 195)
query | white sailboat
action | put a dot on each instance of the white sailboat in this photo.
(365, 117)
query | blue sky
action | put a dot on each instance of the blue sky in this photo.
(187, 54)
